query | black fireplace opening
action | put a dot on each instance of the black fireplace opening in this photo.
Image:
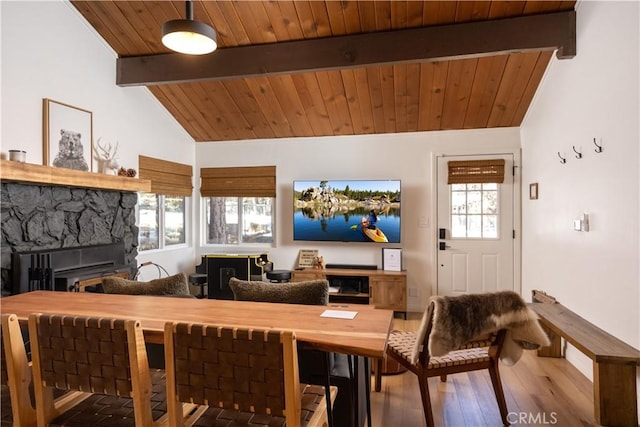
(63, 269)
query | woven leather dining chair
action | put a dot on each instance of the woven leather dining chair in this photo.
(16, 372)
(479, 353)
(316, 366)
(94, 355)
(16, 375)
(238, 376)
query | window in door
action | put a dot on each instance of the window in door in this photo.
(474, 211)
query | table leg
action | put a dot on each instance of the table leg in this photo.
(356, 391)
(367, 387)
(327, 387)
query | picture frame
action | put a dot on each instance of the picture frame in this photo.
(533, 191)
(67, 136)
(307, 258)
(392, 259)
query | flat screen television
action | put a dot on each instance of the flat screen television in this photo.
(347, 211)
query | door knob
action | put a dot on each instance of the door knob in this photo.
(443, 246)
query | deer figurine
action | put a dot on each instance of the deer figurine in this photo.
(106, 157)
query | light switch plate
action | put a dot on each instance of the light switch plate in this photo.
(585, 222)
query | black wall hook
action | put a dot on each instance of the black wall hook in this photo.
(578, 154)
(562, 159)
(598, 147)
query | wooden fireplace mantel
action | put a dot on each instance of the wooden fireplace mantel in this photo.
(11, 171)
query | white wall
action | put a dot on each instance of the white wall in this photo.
(407, 157)
(49, 51)
(59, 56)
(594, 95)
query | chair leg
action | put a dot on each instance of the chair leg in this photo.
(499, 392)
(443, 378)
(327, 387)
(378, 383)
(426, 399)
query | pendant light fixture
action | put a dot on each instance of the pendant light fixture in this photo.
(189, 36)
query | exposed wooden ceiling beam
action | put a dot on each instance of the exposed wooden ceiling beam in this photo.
(544, 32)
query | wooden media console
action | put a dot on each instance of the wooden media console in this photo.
(385, 289)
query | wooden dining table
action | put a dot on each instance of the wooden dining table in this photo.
(364, 335)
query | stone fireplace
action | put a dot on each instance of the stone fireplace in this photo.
(43, 217)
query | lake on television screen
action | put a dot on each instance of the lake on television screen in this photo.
(346, 227)
(347, 211)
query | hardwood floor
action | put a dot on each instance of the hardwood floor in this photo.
(538, 391)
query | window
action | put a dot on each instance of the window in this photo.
(474, 211)
(162, 212)
(160, 215)
(174, 220)
(238, 204)
(149, 221)
(238, 220)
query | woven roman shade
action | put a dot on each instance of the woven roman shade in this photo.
(256, 181)
(167, 178)
(476, 171)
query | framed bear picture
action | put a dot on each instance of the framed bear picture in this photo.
(67, 136)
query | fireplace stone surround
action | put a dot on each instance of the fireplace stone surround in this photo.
(43, 217)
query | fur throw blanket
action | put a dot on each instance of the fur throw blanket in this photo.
(457, 320)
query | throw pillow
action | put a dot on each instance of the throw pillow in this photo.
(312, 292)
(172, 285)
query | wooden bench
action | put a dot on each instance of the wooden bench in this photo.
(614, 362)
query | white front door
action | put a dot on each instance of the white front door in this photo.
(475, 232)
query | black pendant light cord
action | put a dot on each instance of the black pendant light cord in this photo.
(188, 7)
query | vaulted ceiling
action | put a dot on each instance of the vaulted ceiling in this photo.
(324, 68)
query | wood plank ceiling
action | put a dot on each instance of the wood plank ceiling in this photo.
(472, 91)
